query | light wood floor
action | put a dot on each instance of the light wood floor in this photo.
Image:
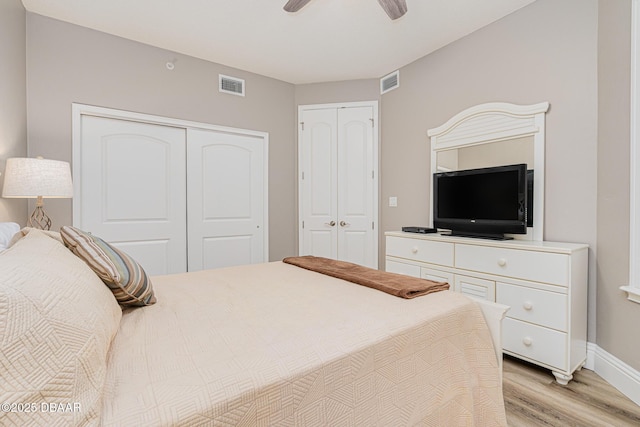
(533, 398)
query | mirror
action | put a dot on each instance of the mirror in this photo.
(509, 152)
(495, 134)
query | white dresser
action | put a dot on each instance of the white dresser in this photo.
(544, 283)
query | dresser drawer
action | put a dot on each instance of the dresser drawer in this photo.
(534, 305)
(529, 265)
(437, 276)
(537, 343)
(402, 268)
(421, 250)
(475, 287)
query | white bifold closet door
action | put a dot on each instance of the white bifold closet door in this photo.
(133, 190)
(224, 199)
(338, 184)
(175, 199)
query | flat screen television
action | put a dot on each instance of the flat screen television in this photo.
(486, 202)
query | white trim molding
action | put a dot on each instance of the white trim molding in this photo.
(633, 292)
(633, 288)
(614, 371)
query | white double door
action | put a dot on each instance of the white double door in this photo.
(176, 199)
(339, 182)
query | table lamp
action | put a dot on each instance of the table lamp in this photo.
(29, 178)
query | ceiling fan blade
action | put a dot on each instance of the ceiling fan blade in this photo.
(295, 5)
(394, 8)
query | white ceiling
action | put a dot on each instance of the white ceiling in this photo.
(328, 40)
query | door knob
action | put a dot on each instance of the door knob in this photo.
(330, 224)
(344, 224)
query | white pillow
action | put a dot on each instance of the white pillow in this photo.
(26, 230)
(57, 321)
(7, 230)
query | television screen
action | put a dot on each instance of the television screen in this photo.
(490, 201)
(530, 198)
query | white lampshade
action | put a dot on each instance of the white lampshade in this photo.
(30, 178)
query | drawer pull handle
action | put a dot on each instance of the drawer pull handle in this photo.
(527, 341)
(414, 249)
(502, 262)
(527, 305)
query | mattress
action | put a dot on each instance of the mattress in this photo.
(276, 345)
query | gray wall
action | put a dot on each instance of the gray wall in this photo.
(67, 63)
(546, 51)
(331, 92)
(13, 98)
(617, 317)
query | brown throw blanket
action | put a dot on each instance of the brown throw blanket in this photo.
(391, 283)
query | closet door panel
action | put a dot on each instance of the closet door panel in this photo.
(218, 252)
(355, 247)
(356, 186)
(226, 181)
(225, 199)
(132, 190)
(318, 184)
(134, 193)
(153, 255)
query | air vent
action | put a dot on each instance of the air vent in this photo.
(390, 82)
(231, 85)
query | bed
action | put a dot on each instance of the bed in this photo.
(261, 345)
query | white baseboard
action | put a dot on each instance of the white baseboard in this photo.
(614, 371)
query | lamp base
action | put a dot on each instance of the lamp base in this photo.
(39, 218)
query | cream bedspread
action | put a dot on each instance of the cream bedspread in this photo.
(277, 345)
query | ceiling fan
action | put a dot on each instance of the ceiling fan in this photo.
(394, 8)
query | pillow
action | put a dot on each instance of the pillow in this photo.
(7, 230)
(26, 230)
(124, 276)
(57, 321)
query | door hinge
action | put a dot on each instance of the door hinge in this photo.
(373, 225)
(302, 124)
(303, 224)
(303, 175)
(373, 174)
(372, 122)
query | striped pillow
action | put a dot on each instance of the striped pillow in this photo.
(121, 273)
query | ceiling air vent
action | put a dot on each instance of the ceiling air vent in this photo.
(230, 85)
(390, 82)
